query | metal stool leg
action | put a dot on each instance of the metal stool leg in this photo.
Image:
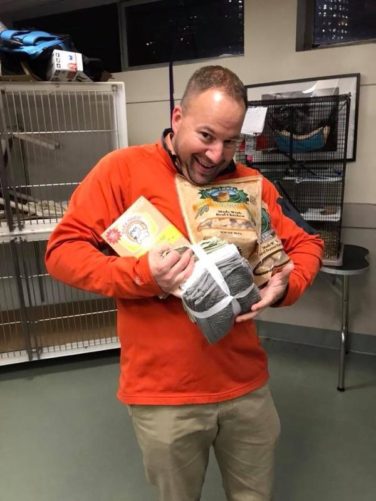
(344, 333)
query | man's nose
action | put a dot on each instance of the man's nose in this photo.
(215, 152)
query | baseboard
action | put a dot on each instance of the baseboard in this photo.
(325, 338)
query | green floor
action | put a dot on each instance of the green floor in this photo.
(65, 437)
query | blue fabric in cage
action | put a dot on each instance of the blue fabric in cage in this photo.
(312, 142)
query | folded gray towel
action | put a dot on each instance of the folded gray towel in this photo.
(213, 306)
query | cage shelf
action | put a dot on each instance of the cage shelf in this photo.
(326, 214)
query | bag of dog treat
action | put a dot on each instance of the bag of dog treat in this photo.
(229, 210)
(270, 256)
(233, 211)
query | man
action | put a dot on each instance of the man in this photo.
(183, 394)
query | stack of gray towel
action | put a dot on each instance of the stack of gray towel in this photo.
(220, 288)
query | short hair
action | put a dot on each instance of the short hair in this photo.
(215, 77)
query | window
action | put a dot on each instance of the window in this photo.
(163, 31)
(93, 31)
(324, 23)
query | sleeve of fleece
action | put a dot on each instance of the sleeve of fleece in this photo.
(304, 250)
(73, 252)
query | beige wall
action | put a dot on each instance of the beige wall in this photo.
(270, 55)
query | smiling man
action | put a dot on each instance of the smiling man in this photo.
(206, 128)
(183, 394)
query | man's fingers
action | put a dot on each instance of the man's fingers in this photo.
(170, 259)
(247, 316)
(182, 269)
(163, 258)
(186, 271)
(286, 270)
(183, 261)
(263, 303)
(270, 293)
(169, 267)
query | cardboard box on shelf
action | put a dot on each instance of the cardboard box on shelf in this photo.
(66, 66)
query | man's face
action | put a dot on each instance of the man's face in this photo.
(206, 134)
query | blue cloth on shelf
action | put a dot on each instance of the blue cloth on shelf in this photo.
(31, 43)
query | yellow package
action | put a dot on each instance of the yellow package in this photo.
(140, 228)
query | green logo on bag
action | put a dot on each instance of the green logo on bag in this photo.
(225, 194)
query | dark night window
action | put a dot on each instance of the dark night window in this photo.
(164, 31)
(332, 22)
(93, 31)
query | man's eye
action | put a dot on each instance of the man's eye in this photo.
(206, 136)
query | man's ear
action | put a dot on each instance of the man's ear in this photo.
(177, 115)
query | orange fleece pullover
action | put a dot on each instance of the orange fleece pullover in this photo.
(165, 359)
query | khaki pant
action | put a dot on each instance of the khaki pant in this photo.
(175, 442)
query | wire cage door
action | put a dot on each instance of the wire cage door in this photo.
(42, 318)
(15, 338)
(302, 150)
(63, 320)
(52, 134)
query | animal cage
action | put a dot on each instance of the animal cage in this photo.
(51, 136)
(302, 150)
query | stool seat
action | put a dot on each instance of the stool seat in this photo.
(354, 261)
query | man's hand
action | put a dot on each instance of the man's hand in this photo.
(273, 291)
(169, 268)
